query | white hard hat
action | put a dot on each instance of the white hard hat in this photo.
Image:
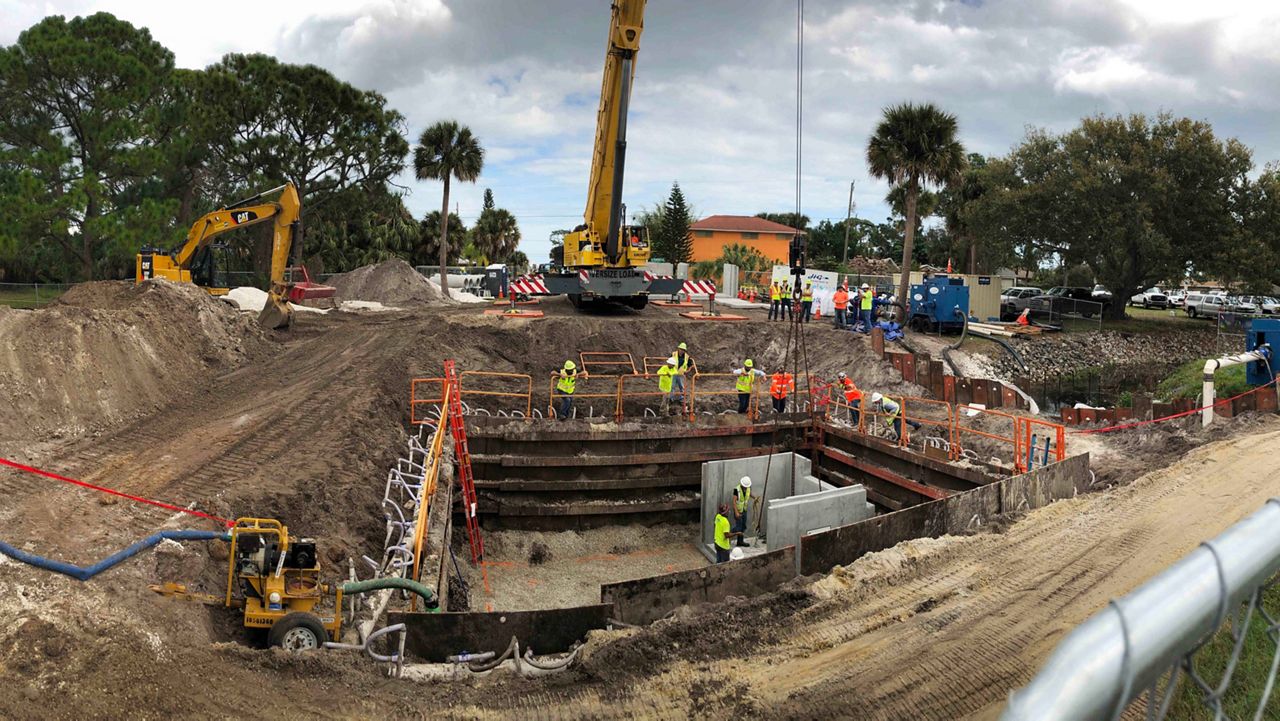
(865, 286)
(745, 482)
(671, 361)
(842, 374)
(737, 554)
(876, 397)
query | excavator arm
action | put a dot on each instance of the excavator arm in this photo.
(283, 212)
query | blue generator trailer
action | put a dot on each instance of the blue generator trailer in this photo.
(940, 303)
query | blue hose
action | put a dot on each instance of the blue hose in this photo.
(87, 572)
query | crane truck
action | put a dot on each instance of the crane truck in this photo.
(604, 257)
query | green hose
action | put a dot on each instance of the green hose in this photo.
(377, 584)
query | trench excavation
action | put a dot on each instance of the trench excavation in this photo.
(607, 519)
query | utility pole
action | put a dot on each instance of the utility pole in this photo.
(847, 221)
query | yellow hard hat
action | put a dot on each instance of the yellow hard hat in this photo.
(748, 363)
(568, 365)
(683, 346)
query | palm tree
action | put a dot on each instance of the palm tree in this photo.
(447, 150)
(914, 144)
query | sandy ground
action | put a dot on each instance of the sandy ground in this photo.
(533, 570)
(162, 394)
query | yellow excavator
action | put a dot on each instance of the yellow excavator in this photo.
(195, 260)
(604, 257)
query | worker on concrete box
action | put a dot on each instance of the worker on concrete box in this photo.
(806, 301)
(741, 509)
(893, 414)
(786, 301)
(841, 300)
(722, 533)
(566, 384)
(852, 397)
(666, 374)
(866, 299)
(747, 375)
(780, 385)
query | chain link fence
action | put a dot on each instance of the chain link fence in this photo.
(1200, 640)
(30, 295)
(1069, 314)
(1231, 330)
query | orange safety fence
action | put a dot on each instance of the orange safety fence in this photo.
(963, 411)
(931, 415)
(641, 387)
(523, 395)
(594, 386)
(1032, 433)
(704, 385)
(614, 362)
(423, 394)
(653, 362)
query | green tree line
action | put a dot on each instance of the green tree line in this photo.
(107, 147)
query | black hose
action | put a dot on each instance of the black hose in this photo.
(1004, 345)
(946, 352)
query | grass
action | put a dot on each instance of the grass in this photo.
(1249, 678)
(1188, 381)
(1146, 320)
(20, 296)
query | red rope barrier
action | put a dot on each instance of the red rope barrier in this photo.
(112, 491)
(1183, 414)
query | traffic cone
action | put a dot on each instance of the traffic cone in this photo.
(817, 312)
(1025, 318)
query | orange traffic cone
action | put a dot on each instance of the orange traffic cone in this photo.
(1025, 318)
(817, 312)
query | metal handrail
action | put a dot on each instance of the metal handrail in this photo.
(416, 400)
(527, 395)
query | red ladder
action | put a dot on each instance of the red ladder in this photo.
(461, 453)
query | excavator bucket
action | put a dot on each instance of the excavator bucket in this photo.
(276, 314)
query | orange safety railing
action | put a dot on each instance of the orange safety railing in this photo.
(698, 391)
(517, 380)
(963, 412)
(930, 414)
(653, 362)
(643, 386)
(594, 385)
(1030, 433)
(613, 362)
(431, 394)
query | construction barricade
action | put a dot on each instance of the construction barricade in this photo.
(607, 362)
(425, 398)
(499, 394)
(716, 393)
(999, 429)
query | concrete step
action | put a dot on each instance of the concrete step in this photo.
(587, 484)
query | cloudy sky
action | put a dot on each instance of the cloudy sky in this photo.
(714, 98)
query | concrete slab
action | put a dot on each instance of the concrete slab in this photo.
(719, 478)
(790, 518)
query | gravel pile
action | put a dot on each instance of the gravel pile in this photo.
(1064, 354)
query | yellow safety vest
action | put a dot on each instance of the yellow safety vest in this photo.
(682, 363)
(664, 378)
(743, 500)
(891, 408)
(806, 294)
(786, 292)
(567, 383)
(775, 293)
(722, 531)
(746, 380)
(866, 300)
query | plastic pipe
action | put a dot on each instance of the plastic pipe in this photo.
(404, 584)
(86, 572)
(1213, 366)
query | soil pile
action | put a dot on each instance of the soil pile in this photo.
(107, 351)
(392, 282)
(862, 265)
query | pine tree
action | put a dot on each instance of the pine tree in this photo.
(488, 199)
(675, 236)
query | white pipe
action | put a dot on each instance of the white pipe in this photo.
(1213, 366)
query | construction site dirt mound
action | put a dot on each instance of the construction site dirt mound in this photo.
(107, 351)
(392, 283)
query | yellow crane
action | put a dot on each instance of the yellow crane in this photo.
(194, 261)
(604, 257)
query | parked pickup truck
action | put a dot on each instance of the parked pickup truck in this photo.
(1014, 300)
(1199, 305)
(1063, 300)
(1151, 298)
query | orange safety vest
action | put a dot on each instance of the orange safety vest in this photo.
(781, 385)
(851, 392)
(841, 299)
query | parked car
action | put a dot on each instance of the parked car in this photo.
(1150, 298)
(1242, 304)
(1176, 298)
(1101, 294)
(1064, 300)
(1014, 300)
(1198, 305)
(1270, 306)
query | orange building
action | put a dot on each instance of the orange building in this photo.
(713, 233)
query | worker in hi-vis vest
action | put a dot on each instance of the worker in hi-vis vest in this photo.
(780, 385)
(841, 301)
(566, 384)
(747, 376)
(684, 364)
(806, 301)
(666, 374)
(852, 396)
(775, 301)
(786, 300)
(866, 300)
(741, 508)
(722, 533)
